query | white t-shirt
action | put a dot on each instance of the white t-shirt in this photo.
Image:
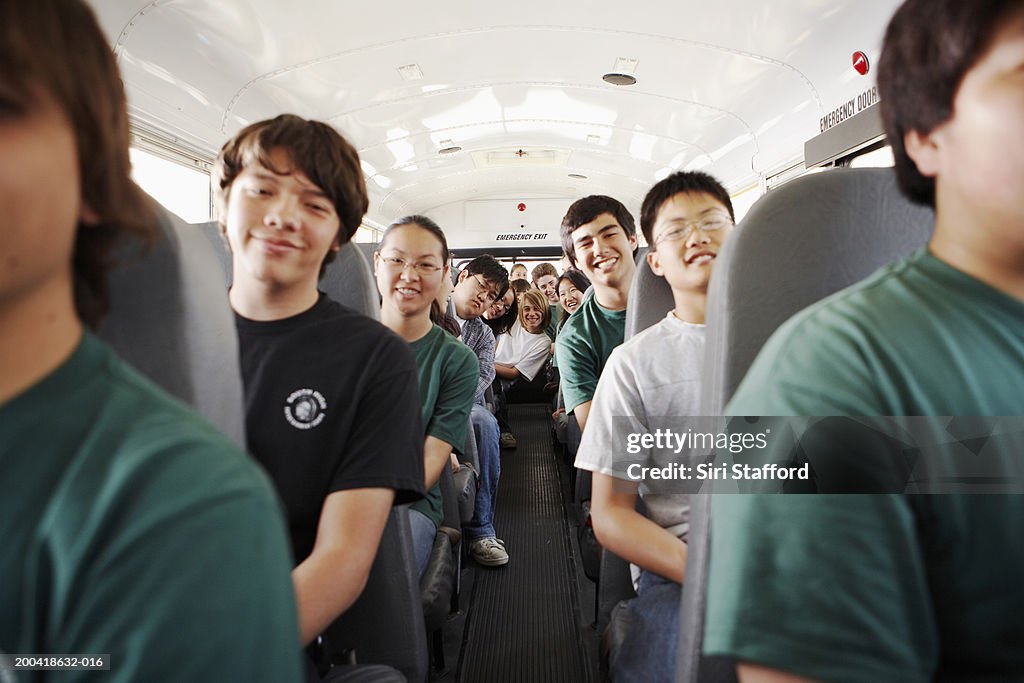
(524, 351)
(654, 375)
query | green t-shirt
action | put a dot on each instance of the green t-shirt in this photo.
(131, 527)
(582, 348)
(879, 587)
(448, 373)
(552, 329)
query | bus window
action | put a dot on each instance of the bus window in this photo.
(181, 190)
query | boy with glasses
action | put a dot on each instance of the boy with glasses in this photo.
(686, 217)
(481, 282)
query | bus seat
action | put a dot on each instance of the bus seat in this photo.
(650, 298)
(439, 584)
(797, 245)
(211, 231)
(367, 249)
(385, 624)
(170, 319)
(349, 280)
(615, 587)
(467, 476)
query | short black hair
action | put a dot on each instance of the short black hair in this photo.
(681, 182)
(491, 269)
(587, 209)
(929, 47)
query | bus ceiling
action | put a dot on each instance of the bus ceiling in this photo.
(529, 101)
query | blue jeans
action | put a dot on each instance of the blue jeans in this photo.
(423, 533)
(489, 451)
(648, 650)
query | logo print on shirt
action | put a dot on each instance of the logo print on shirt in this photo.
(305, 408)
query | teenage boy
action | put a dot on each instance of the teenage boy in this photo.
(131, 527)
(481, 282)
(896, 587)
(685, 218)
(545, 278)
(599, 237)
(331, 396)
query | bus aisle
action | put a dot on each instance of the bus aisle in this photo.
(528, 620)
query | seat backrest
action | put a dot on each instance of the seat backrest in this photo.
(349, 281)
(650, 298)
(170, 319)
(367, 250)
(385, 625)
(211, 231)
(800, 243)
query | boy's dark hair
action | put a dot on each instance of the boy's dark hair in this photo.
(542, 269)
(491, 269)
(55, 50)
(929, 46)
(578, 279)
(425, 223)
(587, 209)
(313, 147)
(520, 286)
(681, 182)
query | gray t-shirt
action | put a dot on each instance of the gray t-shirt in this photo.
(656, 374)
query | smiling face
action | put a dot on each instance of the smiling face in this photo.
(280, 226)
(549, 285)
(688, 232)
(473, 295)
(569, 296)
(604, 253)
(410, 269)
(532, 316)
(501, 306)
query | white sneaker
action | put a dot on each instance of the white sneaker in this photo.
(489, 552)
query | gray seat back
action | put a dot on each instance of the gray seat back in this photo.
(171, 320)
(799, 244)
(349, 281)
(650, 298)
(385, 625)
(211, 231)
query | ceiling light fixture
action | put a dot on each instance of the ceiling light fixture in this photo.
(622, 72)
(411, 72)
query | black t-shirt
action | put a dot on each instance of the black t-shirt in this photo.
(331, 403)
